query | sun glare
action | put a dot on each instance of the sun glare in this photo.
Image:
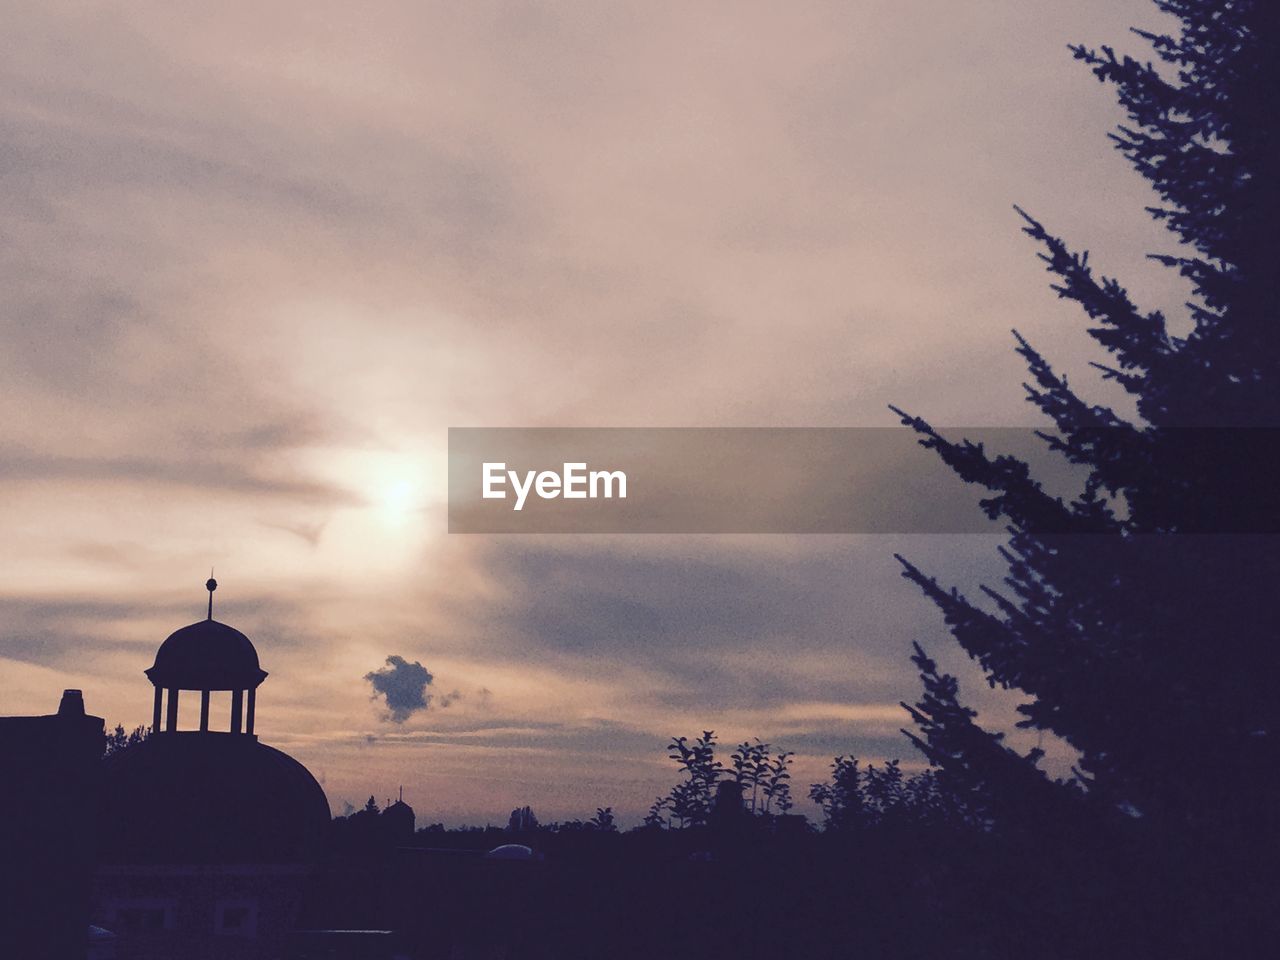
(393, 511)
(400, 497)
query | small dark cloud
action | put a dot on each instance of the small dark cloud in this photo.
(403, 685)
(448, 699)
(309, 533)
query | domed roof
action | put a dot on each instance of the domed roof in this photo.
(197, 798)
(511, 851)
(207, 655)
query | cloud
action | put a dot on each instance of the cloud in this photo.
(201, 473)
(238, 246)
(450, 698)
(404, 687)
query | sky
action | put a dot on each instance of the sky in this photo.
(258, 258)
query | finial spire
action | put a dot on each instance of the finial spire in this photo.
(211, 585)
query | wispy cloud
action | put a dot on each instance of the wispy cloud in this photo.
(254, 260)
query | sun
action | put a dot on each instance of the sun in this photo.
(399, 497)
(390, 509)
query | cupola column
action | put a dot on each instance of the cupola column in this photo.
(204, 711)
(253, 695)
(237, 710)
(155, 713)
(171, 718)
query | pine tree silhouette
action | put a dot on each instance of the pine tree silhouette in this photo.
(1148, 649)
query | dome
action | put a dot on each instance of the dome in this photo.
(204, 798)
(207, 655)
(511, 851)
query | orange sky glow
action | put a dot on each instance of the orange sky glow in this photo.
(257, 260)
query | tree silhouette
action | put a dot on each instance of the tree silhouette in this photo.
(777, 785)
(841, 797)
(750, 763)
(522, 820)
(117, 740)
(753, 767)
(855, 798)
(1138, 646)
(690, 800)
(603, 820)
(655, 818)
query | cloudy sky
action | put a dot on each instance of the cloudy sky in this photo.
(257, 258)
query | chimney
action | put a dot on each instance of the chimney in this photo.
(72, 704)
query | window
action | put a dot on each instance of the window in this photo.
(142, 917)
(236, 918)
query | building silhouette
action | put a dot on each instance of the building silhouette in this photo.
(399, 820)
(206, 835)
(49, 771)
